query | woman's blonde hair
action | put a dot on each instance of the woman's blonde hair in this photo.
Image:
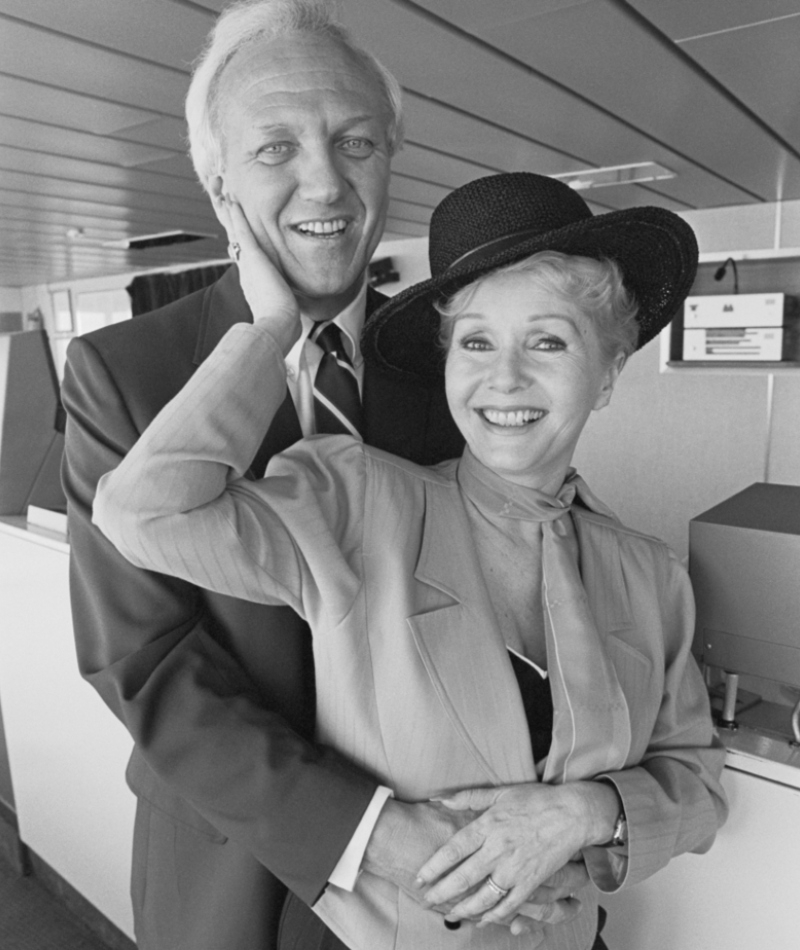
(267, 20)
(594, 286)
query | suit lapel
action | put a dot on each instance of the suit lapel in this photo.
(463, 650)
(224, 306)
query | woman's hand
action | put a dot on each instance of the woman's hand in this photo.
(270, 298)
(526, 834)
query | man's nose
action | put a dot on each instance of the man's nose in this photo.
(320, 177)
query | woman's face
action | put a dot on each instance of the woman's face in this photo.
(523, 373)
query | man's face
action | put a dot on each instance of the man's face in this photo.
(305, 153)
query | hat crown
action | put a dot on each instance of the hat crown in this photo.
(494, 208)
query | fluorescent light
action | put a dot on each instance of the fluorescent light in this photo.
(633, 174)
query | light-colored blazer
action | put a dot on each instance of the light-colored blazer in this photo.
(413, 677)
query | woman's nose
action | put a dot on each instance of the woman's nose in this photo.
(509, 372)
(320, 179)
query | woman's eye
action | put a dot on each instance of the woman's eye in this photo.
(548, 343)
(475, 343)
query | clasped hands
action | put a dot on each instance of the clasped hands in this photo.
(460, 854)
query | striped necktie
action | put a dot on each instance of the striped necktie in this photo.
(337, 406)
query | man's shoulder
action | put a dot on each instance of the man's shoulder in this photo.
(177, 321)
(146, 359)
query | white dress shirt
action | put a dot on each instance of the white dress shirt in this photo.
(302, 361)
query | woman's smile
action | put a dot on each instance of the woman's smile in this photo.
(511, 418)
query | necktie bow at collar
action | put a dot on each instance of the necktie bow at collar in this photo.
(591, 726)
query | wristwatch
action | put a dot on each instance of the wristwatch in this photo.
(619, 838)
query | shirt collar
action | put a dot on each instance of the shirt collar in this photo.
(499, 498)
(350, 321)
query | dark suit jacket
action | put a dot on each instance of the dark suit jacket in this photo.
(216, 692)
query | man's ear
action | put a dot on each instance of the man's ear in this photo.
(610, 380)
(215, 185)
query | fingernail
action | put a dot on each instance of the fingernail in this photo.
(452, 923)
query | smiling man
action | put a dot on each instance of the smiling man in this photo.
(296, 125)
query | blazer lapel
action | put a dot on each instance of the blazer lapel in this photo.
(463, 651)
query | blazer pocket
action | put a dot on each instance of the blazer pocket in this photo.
(144, 783)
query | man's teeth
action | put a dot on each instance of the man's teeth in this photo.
(517, 418)
(322, 227)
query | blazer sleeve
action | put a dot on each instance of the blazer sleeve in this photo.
(178, 503)
(673, 799)
(145, 643)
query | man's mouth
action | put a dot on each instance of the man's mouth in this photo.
(513, 418)
(332, 228)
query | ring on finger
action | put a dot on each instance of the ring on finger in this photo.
(234, 250)
(494, 886)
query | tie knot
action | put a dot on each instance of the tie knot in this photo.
(328, 338)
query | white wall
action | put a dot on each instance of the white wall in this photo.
(10, 299)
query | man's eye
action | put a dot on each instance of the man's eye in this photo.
(275, 151)
(358, 146)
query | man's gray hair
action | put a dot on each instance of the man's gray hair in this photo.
(248, 20)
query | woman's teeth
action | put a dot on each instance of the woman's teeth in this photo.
(519, 417)
(322, 228)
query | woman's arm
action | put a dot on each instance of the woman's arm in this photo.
(672, 799)
(178, 502)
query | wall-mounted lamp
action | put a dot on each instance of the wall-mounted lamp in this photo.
(382, 272)
(720, 272)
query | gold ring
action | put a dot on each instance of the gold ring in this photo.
(234, 250)
(500, 891)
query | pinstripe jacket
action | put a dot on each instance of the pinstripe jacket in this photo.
(377, 554)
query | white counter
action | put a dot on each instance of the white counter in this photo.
(66, 751)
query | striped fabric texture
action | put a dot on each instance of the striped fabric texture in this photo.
(337, 406)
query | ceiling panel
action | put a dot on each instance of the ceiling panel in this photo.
(511, 94)
(679, 19)
(37, 54)
(446, 127)
(51, 105)
(92, 131)
(157, 32)
(737, 59)
(52, 140)
(167, 133)
(679, 106)
(95, 173)
(74, 212)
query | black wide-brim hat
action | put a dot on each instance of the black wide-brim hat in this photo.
(504, 218)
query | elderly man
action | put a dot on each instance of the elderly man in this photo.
(297, 125)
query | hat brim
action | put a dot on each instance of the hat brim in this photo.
(655, 250)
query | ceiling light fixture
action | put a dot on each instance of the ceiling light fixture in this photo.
(162, 239)
(635, 173)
